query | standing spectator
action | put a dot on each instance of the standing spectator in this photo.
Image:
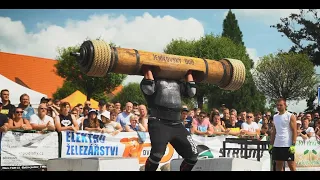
(93, 123)
(135, 106)
(87, 104)
(124, 117)
(226, 116)
(233, 112)
(57, 102)
(113, 115)
(117, 106)
(110, 127)
(134, 125)
(187, 122)
(41, 121)
(80, 108)
(306, 130)
(17, 122)
(233, 127)
(7, 108)
(215, 121)
(258, 118)
(65, 121)
(201, 125)
(242, 119)
(26, 106)
(102, 108)
(3, 123)
(143, 116)
(250, 128)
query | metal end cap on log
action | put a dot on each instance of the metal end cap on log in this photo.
(238, 75)
(94, 58)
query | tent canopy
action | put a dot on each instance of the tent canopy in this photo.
(78, 97)
(16, 90)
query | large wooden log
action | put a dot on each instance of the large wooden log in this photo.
(96, 58)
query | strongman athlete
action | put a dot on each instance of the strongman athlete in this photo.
(163, 97)
(283, 137)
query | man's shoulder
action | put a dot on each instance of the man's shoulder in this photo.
(34, 116)
(47, 117)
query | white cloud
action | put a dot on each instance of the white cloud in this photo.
(253, 54)
(143, 33)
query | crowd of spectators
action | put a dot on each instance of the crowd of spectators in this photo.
(112, 118)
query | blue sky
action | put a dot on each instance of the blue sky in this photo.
(40, 32)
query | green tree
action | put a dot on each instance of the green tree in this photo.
(130, 92)
(231, 28)
(287, 75)
(216, 47)
(302, 29)
(68, 68)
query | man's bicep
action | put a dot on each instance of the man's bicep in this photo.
(147, 86)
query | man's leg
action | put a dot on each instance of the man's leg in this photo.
(280, 155)
(292, 165)
(158, 133)
(185, 147)
(279, 165)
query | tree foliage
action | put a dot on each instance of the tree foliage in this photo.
(287, 75)
(231, 28)
(66, 90)
(130, 92)
(303, 30)
(68, 68)
(215, 48)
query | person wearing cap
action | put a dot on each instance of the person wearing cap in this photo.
(110, 127)
(7, 108)
(93, 123)
(102, 108)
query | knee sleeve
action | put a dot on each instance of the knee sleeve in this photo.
(192, 160)
(152, 162)
(188, 163)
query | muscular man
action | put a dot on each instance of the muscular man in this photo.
(283, 137)
(163, 97)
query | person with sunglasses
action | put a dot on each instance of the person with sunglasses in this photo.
(250, 127)
(17, 122)
(41, 121)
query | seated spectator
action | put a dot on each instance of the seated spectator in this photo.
(93, 123)
(306, 130)
(26, 106)
(250, 128)
(143, 116)
(233, 127)
(65, 121)
(110, 127)
(3, 122)
(201, 125)
(124, 117)
(41, 121)
(17, 122)
(218, 129)
(134, 125)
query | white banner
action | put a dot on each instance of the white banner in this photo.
(215, 144)
(21, 151)
(83, 144)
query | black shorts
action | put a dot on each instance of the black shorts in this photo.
(282, 154)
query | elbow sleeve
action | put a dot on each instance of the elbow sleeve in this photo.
(147, 86)
(191, 89)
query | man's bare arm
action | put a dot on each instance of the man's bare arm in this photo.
(273, 135)
(293, 124)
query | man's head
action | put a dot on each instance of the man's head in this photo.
(117, 105)
(102, 105)
(42, 110)
(316, 115)
(135, 105)
(243, 115)
(226, 113)
(65, 108)
(184, 113)
(44, 100)
(233, 112)
(87, 104)
(80, 108)
(258, 116)
(216, 118)
(201, 116)
(57, 102)
(129, 107)
(249, 117)
(281, 105)
(25, 99)
(308, 116)
(233, 119)
(4, 95)
(305, 122)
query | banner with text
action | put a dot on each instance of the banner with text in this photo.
(23, 151)
(83, 144)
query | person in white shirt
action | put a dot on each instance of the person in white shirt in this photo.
(283, 137)
(110, 127)
(306, 131)
(250, 128)
(41, 121)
